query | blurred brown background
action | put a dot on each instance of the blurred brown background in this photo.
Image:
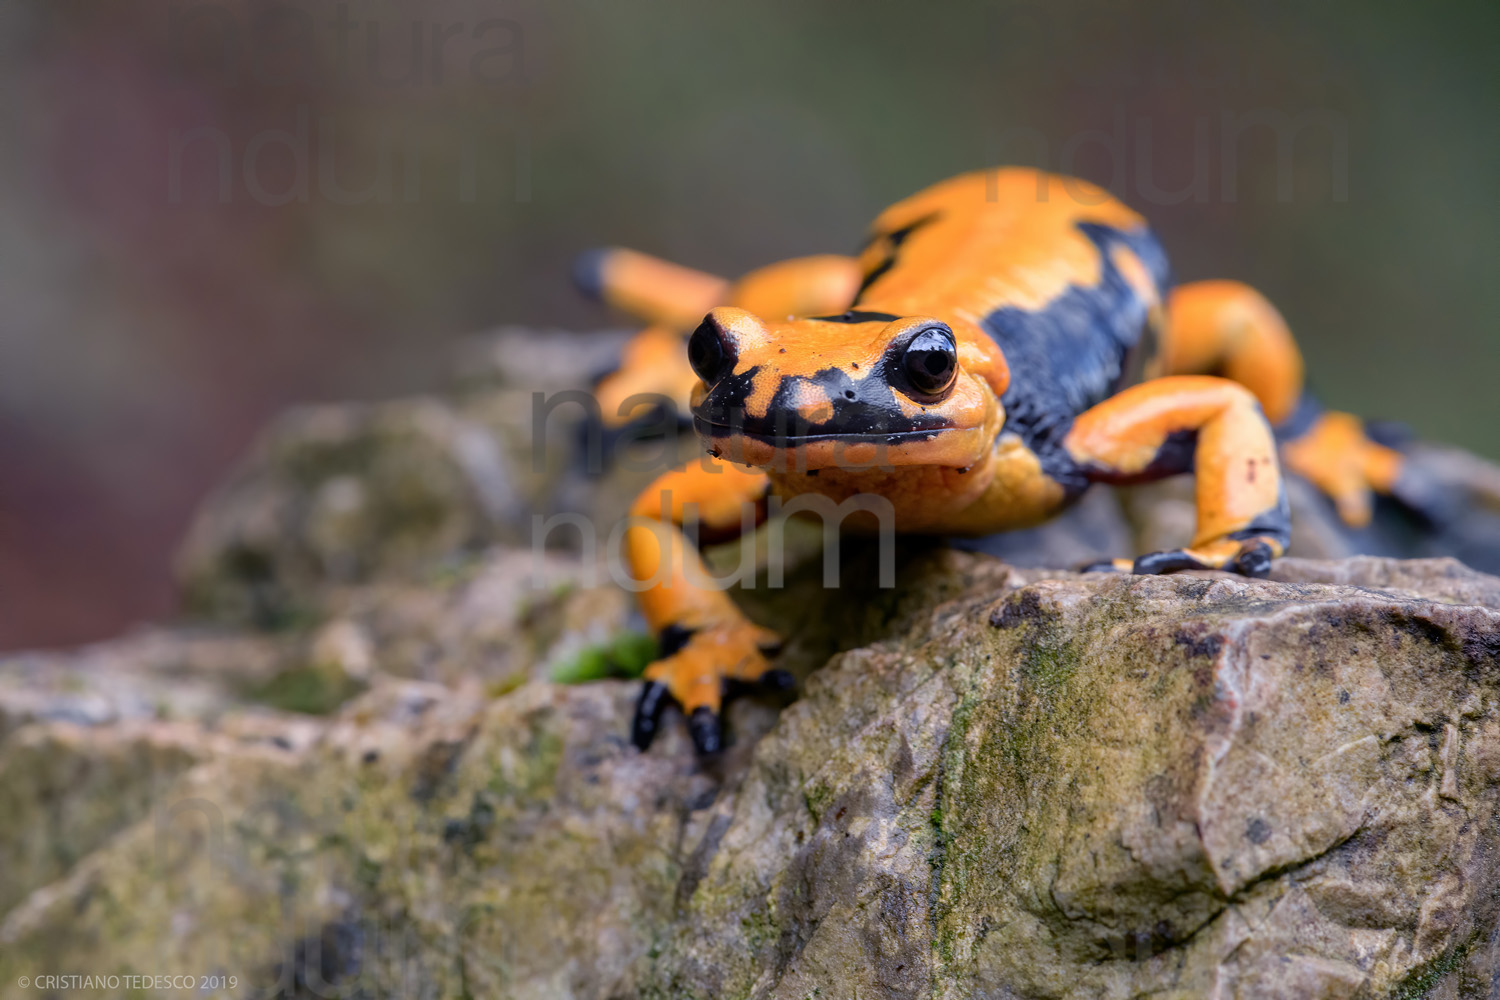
(397, 174)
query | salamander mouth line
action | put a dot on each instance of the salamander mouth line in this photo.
(724, 430)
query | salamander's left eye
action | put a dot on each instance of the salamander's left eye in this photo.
(707, 353)
(930, 362)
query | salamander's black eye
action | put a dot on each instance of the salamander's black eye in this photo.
(930, 362)
(706, 352)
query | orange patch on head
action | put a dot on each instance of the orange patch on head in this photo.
(811, 401)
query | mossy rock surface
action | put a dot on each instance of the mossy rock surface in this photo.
(1004, 783)
(390, 756)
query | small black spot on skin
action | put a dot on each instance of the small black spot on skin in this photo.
(783, 350)
(371, 756)
(1258, 831)
(1200, 645)
(1343, 697)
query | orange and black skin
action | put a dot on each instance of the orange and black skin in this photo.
(985, 374)
(672, 299)
(1228, 328)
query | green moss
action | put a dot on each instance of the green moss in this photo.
(1421, 981)
(759, 930)
(505, 686)
(454, 570)
(1001, 749)
(536, 771)
(311, 690)
(624, 656)
(817, 798)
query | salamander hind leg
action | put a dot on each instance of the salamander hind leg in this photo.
(1336, 456)
(1229, 328)
(648, 288)
(1214, 428)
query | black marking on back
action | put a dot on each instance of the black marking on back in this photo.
(896, 238)
(1070, 354)
(858, 316)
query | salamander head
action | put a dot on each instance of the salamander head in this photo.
(862, 389)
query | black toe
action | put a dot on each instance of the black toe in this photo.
(588, 273)
(1102, 566)
(1154, 563)
(777, 680)
(1254, 561)
(708, 734)
(648, 713)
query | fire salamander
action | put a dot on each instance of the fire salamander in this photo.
(1005, 339)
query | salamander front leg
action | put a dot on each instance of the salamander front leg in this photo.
(1207, 425)
(706, 642)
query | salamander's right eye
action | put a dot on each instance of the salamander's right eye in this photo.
(930, 362)
(707, 353)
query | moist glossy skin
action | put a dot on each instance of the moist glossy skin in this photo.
(991, 364)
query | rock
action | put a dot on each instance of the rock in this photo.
(388, 754)
(340, 495)
(1008, 783)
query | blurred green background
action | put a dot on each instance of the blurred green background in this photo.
(1342, 157)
